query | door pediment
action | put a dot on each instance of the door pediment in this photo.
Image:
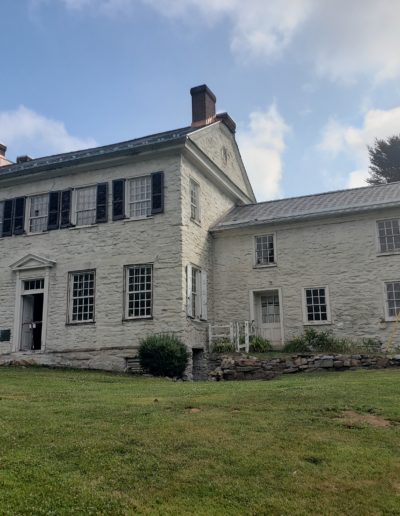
(32, 261)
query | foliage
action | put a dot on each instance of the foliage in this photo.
(259, 344)
(371, 345)
(384, 159)
(223, 346)
(317, 341)
(95, 443)
(163, 355)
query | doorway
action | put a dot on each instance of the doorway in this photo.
(32, 304)
(268, 316)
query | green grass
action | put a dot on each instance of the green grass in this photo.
(96, 443)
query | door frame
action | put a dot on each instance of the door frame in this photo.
(253, 309)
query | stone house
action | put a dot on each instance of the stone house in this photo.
(101, 247)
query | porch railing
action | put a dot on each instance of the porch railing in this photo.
(236, 332)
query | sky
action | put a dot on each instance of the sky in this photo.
(310, 83)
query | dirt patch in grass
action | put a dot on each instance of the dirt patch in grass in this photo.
(351, 417)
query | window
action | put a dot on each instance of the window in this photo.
(316, 305)
(393, 299)
(82, 289)
(139, 197)
(196, 293)
(37, 284)
(265, 250)
(389, 235)
(194, 201)
(39, 209)
(139, 291)
(1, 217)
(270, 313)
(86, 206)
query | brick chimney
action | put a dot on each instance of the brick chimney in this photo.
(3, 160)
(203, 105)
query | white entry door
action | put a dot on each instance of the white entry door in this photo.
(269, 317)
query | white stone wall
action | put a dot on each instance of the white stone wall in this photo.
(340, 253)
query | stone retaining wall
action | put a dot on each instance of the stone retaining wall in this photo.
(241, 367)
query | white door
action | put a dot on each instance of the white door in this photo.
(269, 317)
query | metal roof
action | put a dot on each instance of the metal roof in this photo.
(313, 206)
(87, 155)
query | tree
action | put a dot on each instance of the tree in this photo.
(384, 157)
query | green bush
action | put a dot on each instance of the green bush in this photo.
(259, 344)
(371, 345)
(223, 346)
(317, 342)
(163, 355)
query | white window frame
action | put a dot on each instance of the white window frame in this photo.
(378, 241)
(261, 265)
(197, 207)
(200, 310)
(70, 319)
(306, 322)
(74, 218)
(127, 268)
(128, 202)
(29, 218)
(389, 318)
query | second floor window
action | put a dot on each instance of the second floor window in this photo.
(139, 197)
(265, 250)
(389, 235)
(38, 216)
(194, 201)
(86, 206)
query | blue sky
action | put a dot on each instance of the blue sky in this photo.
(309, 82)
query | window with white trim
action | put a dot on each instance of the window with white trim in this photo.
(316, 305)
(392, 299)
(81, 296)
(38, 213)
(265, 250)
(196, 293)
(139, 291)
(139, 197)
(194, 201)
(86, 199)
(389, 235)
(1, 217)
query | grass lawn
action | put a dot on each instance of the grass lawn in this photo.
(96, 443)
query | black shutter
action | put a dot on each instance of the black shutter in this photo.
(118, 199)
(8, 217)
(53, 221)
(19, 216)
(157, 193)
(65, 221)
(102, 202)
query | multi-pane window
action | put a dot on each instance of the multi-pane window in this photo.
(265, 252)
(82, 290)
(139, 197)
(270, 312)
(1, 217)
(196, 293)
(139, 291)
(36, 284)
(389, 235)
(393, 298)
(316, 304)
(86, 206)
(38, 213)
(194, 201)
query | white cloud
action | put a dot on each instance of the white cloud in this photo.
(26, 132)
(352, 141)
(344, 40)
(262, 145)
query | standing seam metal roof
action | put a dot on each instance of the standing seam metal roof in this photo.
(308, 206)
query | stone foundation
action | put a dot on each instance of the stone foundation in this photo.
(241, 367)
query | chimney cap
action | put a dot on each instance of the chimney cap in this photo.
(3, 149)
(203, 88)
(23, 159)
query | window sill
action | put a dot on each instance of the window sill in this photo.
(265, 266)
(196, 319)
(36, 234)
(136, 219)
(389, 253)
(197, 222)
(81, 323)
(317, 323)
(133, 319)
(87, 226)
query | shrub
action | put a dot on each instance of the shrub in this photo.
(259, 344)
(313, 341)
(163, 355)
(223, 346)
(371, 345)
